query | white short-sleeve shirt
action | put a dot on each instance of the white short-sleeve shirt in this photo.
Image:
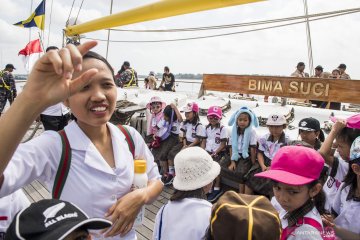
(193, 131)
(91, 183)
(187, 219)
(253, 140)
(348, 211)
(305, 231)
(332, 184)
(9, 206)
(270, 148)
(214, 137)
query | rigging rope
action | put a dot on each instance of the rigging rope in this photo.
(78, 12)
(308, 35)
(223, 34)
(67, 21)
(240, 24)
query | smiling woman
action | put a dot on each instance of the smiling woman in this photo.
(97, 163)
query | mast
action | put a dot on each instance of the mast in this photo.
(308, 35)
(31, 4)
(108, 39)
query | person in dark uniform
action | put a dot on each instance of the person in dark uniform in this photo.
(7, 86)
(168, 80)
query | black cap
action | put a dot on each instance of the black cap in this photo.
(51, 219)
(300, 64)
(319, 67)
(9, 65)
(342, 66)
(311, 124)
(126, 63)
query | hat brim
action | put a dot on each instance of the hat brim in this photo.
(199, 182)
(214, 114)
(285, 177)
(92, 223)
(308, 129)
(163, 105)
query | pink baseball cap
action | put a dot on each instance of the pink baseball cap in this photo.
(156, 99)
(215, 111)
(295, 165)
(351, 122)
(191, 107)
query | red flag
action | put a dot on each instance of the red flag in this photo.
(31, 53)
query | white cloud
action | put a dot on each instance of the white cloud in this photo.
(273, 51)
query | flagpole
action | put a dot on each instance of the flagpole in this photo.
(48, 41)
(41, 41)
(31, 4)
(107, 46)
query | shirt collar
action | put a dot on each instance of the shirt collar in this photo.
(281, 139)
(295, 215)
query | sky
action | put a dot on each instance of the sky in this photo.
(269, 52)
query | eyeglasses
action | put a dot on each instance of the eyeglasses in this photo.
(213, 118)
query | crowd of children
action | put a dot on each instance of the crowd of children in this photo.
(308, 180)
(313, 184)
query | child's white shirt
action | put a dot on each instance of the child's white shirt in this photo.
(214, 137)
(193, 131)
(348, 211)
(270, 148)
(305, 231)
(10, 205)
(187, 219)
(332, 184)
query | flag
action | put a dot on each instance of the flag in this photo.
(31, 53)
(37, 18)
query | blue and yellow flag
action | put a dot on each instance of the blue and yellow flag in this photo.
(37, 18)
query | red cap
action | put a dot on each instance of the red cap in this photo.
(295, 165)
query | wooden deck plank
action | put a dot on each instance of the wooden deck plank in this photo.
(37, 191)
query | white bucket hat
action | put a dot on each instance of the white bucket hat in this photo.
(194, 169)
(276, 120)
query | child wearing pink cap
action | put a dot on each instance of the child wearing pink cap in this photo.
(193, 132)
(215, 144)
(168, 133)
(155, 106)
(345, 135)
(298, 190)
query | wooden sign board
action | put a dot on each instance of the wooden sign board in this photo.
(334, 90)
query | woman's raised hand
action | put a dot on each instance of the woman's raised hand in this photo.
(50, 80)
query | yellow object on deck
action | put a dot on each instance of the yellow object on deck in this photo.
(161, 9)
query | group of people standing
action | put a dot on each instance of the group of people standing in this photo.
(127, 77)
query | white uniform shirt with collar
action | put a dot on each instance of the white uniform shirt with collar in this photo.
(56, 110)
(214, 137)
(9, 206)
(193, 131)
(187, 219)
(305, 231)
(91, 183)
(348, 211)
(332, 184)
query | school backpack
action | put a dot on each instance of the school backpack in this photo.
(327, 233)
(65, 161)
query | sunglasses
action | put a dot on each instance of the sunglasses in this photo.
(213, 118)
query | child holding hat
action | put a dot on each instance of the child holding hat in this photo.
(187, 214)
(298, 190)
